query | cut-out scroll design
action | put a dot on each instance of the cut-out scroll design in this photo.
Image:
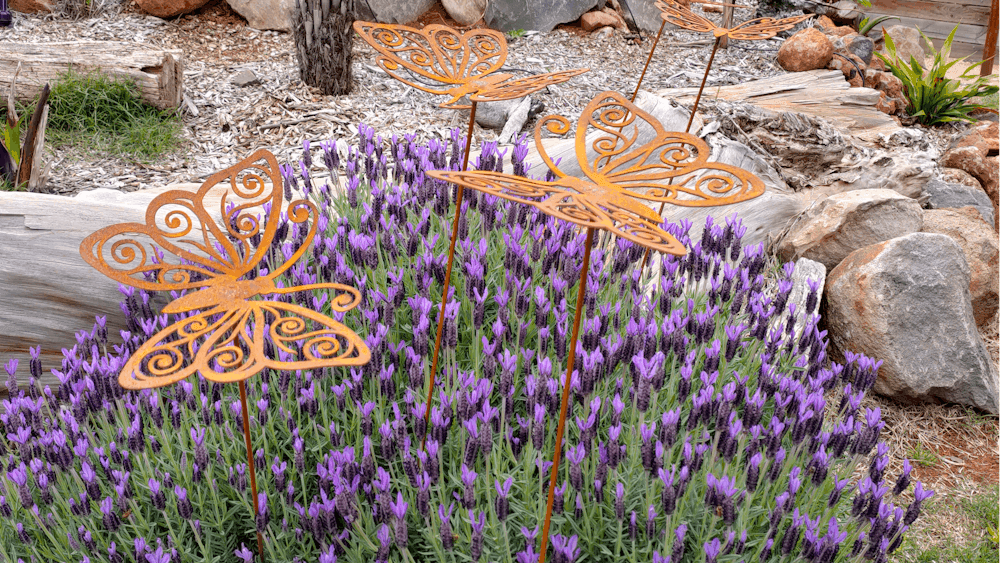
(225, 334)
(750, 30)
(444, 61)
(621, 173)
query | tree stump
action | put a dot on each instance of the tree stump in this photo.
(323, 35)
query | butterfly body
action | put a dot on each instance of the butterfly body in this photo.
(228, 334)
(224, 291)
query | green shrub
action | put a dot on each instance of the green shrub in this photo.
(98, 113)
(932, 98)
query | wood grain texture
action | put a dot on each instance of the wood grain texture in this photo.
(157, 72)
(820, 93)
(990, 44)
(968, 13)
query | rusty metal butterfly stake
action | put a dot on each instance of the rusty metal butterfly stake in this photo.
(459, 65)
(620, 173)
(750, 30)
(221, 335)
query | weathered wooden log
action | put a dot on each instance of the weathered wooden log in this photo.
(157, 72)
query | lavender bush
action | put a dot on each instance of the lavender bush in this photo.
(706, 423)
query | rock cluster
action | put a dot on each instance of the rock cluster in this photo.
(910, 286)
(836, 47)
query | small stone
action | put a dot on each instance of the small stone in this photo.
(907, 41)
(983, 168)
(945, 195)
(169, 8)
(863, 47)
(267, 14)
(839, 31)
(853, 68)
(808, 49)
(956, 176)
(595, 20)
(465, 12)
(245, 77)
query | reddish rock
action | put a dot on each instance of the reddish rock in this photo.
(824, 23)
(620, 25)
(876, 64)
(840, 31)
(984, 136)
(30, 6)
(974, 161)
(956, 176)
(169, 8)
(596, 20)
(982, 252)
(852, 67)
(808, 49)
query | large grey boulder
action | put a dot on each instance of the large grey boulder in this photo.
(541, 15)
(906, 302)
(980, 247)
(944, 195)
(842, 223)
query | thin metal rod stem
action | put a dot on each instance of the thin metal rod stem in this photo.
(253, 473)
(648, 59)
(447, 277)
(694, 109)
(554, 471)
(701, 88)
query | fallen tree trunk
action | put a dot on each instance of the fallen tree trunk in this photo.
(157, 72)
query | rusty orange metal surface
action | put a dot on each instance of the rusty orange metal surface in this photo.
(444, 61)
(181, 246)
(750, 30)
(621, 172)
(628, 158)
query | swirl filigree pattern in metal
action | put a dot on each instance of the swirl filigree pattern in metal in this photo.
(621, 173)
(750, 30)
(444, 61)
(225, 334)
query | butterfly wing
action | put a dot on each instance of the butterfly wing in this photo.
(682, 17)
(576, 201)
(234, 343)
(518, 88)
(436, 58)
(620, 144)
(202, 246)
(765, 28)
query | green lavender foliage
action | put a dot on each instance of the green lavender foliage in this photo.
(338, 449)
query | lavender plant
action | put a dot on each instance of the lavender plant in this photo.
(706, 423)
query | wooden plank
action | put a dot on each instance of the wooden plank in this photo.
(990, 45)
(967, 33)
(933, 10)
(978, 3)
(157, 72)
